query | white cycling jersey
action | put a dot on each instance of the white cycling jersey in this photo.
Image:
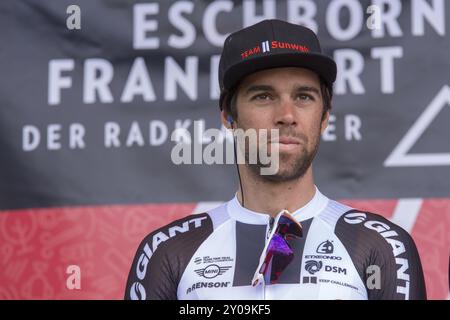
(344, 254)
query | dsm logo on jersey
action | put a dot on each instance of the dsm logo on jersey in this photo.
(212, 271)
(313, 266)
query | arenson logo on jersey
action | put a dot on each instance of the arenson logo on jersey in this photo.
(137, 291)
(212, 271)
(200, 285)
(389, 235)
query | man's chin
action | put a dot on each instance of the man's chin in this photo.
(284, 176)
(284, 173)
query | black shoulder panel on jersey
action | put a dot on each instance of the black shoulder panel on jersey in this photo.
(163, 256)
(384, 255)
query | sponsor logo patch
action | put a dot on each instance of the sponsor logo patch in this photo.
(325, 247)
(209, 285)
(212, 271)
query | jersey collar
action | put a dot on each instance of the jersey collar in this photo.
(309, 210)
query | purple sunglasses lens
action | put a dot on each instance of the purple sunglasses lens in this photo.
(278, 245)
(288, 227)
(279, 254)
(278, 257)
(282, 256)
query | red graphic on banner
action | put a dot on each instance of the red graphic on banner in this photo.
(38, 245)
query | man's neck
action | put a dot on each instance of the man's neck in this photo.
(269, 197)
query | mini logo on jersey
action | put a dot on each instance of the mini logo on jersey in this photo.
(325, 247)
(355, 217)
(313, 266)
(212, 271)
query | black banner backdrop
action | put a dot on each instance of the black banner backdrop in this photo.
(87, 115)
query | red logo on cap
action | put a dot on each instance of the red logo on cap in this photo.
(286, 45)
(249, 52)
(273, 45)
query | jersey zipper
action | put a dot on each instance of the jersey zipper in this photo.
(269, 231)
(271, 221)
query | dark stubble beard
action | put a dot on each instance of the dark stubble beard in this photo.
(287, 171)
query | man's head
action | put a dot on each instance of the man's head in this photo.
(273, 75)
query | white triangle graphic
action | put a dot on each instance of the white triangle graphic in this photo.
(399, 157)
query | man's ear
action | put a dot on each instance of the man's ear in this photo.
(225, 119)
(324, 122)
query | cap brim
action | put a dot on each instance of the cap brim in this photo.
(319, 63)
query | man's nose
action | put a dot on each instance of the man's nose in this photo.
(285, 112)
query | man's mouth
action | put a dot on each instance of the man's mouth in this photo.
(285, 143)
(288, 140)
(284, 140)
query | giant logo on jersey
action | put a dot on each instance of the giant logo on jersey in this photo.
(355, 217)
(398, 247)
(137, 290)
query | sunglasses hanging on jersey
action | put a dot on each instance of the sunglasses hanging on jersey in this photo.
(277, 253)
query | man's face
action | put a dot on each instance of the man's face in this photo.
(288, 99)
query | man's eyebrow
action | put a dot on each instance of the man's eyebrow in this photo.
(260, 87)
(263, 87)
(308, 89)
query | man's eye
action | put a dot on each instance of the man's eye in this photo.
(305, 97)
(261, 96)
